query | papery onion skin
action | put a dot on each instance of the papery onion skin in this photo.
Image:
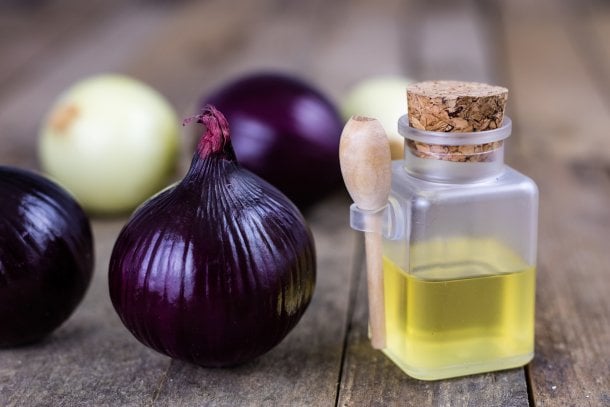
(112, 141)
(216, 270)
(46, 256)
(285, 131)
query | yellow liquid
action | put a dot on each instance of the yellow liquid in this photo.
(466, 307)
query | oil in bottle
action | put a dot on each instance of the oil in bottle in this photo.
(465, 306)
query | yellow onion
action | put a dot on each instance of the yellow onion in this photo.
(110, 140)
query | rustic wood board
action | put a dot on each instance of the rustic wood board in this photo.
(590, 36)
(572, 361)
(187, 48)
(559, 107)
(562, 119)
(100, 49)
(31, 35)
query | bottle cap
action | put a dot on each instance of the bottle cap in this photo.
(452, 107)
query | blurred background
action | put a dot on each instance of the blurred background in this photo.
(553, 55)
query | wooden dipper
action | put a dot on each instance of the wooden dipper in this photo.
(364, 153)
(453, 106)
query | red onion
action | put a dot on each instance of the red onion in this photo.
(285, 131)
(217, 269)
(46, 256)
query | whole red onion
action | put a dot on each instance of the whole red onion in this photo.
(46, 256)
(285, 131)
(217, 269)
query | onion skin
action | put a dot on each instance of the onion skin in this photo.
(112, 141)
(217, 269)
(46, 256)
(285, 131)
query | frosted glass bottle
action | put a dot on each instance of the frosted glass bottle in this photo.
(459, 257)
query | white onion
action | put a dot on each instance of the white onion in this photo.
(384, 98)
(111, 140)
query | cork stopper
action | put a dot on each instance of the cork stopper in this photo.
(455, 107)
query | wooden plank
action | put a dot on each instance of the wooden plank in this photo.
(40, 30)
(435, 32)
(199, 43)
(572, 358)
(552, 93)
(363, 43)
(563, 122)
(103, 49)
(589, 29)
(369, 378)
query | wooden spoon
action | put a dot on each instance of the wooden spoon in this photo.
(364, 153)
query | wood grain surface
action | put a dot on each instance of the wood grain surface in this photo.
(553, 56)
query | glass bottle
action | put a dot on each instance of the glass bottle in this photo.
(459, 255)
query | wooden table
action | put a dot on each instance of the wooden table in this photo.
(553, 56)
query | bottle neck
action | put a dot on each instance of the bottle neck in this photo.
(454, 157)
(452, 169)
